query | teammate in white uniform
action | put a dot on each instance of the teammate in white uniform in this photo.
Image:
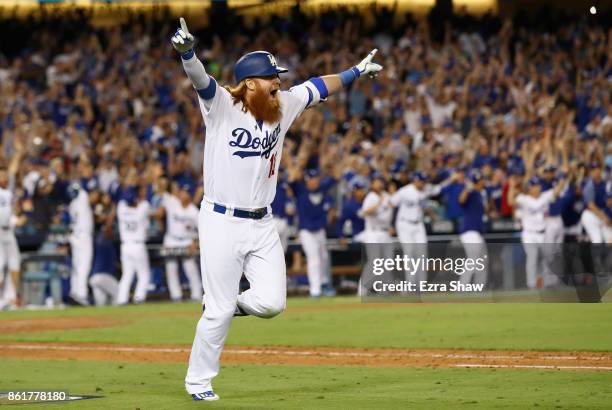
(9, 250)
(410, 201)
(81, 242)
(245, 129)
(532, 208)
(133, 218)
(181, 232)
(377, 212)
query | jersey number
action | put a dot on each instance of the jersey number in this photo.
(131, 226)
(272, 165)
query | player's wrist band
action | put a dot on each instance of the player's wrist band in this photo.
(348, 76)
(187, 54)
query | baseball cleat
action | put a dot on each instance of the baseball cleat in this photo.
(206, 396)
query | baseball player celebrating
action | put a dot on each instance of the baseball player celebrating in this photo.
(349, 216)
(133, 218)
(553, 236)
(9, 250)
(313, 204)
(532, 208)
(81, 242)
(377, 212)
(245, 129)
(181, 232)
(410, 201)
(474, 200)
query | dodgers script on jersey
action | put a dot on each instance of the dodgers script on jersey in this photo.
(242, 155)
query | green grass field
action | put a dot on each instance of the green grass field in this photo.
(338, 322)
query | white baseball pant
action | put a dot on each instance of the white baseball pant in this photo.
(81, 247)
(7, 289)
(534, 252)
(475, 247)
(230, 246)
(377, 244)
(10, 258)
(9, 252)
(105, 288)
(594, 226)
(134, 262)
(413, 238)
(193, 277)
(553, 238)
(313, 243)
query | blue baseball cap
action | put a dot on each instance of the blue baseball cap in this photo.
(533, 181)
(377, 175)
(312, 173)
(256, 64)
(73, 190)
(92, 185)
(357, 185)
(419, 176)
(187, 188)
(516, 170)
(130, 195)
(476, 176)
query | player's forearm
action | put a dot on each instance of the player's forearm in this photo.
(195, 71)
(333, 83)
(463, 196)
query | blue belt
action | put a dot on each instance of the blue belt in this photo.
(242, 213)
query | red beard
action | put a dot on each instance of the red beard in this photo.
(263, 107)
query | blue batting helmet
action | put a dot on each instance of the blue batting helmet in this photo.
(256, 64)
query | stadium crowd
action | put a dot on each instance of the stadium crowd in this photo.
(473, 100)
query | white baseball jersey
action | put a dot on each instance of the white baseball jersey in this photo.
(81, 215)
(533, 210)
(133, 221)
(242, 156)
(181, 222)
(410, 202)
(381, 220)
(6, 208)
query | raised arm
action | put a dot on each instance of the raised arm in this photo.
(183, 42)
(335, 82)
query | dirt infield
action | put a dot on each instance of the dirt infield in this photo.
(601, 361)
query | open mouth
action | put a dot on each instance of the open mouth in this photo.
(273, 93)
